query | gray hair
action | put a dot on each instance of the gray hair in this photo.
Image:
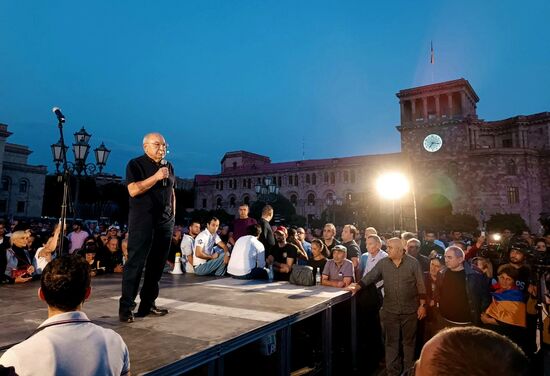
(457, 250)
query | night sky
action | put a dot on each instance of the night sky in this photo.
(285, 79)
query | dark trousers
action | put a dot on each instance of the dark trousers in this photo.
(400, 332)
(148, 245)
(255, 273)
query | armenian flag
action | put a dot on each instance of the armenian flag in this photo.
(508, 307)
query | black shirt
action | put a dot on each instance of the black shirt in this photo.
(335, 242)
(266, 237)
(317, 264)
(453, 303)
(352, 249)
(157, 202)
(280, 254)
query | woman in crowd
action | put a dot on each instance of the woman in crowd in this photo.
(293, 239)
(507, 312)
(319, 251)
(431, 322)
(19, 268)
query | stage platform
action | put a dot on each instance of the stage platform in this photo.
(209, 318)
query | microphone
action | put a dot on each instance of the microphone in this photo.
(60, 116)
(163, 163)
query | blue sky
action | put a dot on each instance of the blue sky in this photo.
(279, 78)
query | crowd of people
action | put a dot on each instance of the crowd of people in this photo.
(407, 288)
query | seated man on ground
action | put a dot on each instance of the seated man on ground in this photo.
(282, 256)
(248, 256)
(338, 271)
(206, 260)
(56, 347)
(187, 245)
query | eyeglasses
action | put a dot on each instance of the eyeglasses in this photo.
(158, 145)
(300, 232)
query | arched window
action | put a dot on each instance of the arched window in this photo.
(314, 179)
(246, 199)
(294, 199)
(311, 199)
(232, 202)
(218, 203)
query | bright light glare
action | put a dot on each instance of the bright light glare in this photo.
(392, 186)
(497, 237)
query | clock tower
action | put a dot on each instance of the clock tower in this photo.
(435, 140)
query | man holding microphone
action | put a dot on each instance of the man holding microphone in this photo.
(150, 180)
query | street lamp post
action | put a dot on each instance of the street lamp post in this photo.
(79, 167)
(267, 191)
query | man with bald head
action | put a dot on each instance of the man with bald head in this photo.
(150, 181)
(404, 303)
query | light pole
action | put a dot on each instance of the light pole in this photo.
(267, 191)
(392, 186)
(79, 167)
(332, 203)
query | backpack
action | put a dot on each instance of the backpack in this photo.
(302, 275)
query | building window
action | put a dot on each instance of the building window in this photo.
(308, 179)
(3, 206)
(290, 180)
(230, 183)
(325, 177)
(280, 181)
(511, 168)
(221, 185)
(20, 206)
(295, 180)
(217, 185)
(246, 200)
(513, 195)
(294, 199)
(353, 177)
(204, 203)
(23, 186)
(244, 183)
(346, 177)
(5, 184)
(234, 165)
(249, 185)
(218, 203)
(311, 199)
(332, 178)
(232, 202)
(507, 143)
(314, 179)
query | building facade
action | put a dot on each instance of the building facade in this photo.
(479, 167)
(22, 185)
(476, 167)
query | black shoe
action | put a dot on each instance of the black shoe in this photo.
(127, 317)
(154, 310)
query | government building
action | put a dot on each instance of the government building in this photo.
(451, 157)
(22, 187)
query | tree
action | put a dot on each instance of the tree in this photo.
(461, 222)
(499, 222)
(282, 208)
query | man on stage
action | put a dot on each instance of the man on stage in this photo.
(150, 182)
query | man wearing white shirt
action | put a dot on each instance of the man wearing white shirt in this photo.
(56, 348)
(248, 256)
(205, 258)
(187, 245)
(77, 237)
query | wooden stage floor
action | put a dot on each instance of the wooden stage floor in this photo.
(209, 317)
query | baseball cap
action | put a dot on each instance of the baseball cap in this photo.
(282, 230)
(340, 248)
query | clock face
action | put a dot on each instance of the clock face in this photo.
(432, 143)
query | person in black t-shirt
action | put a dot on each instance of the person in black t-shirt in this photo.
(282, 255)
(318, 258)
(151, 216)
